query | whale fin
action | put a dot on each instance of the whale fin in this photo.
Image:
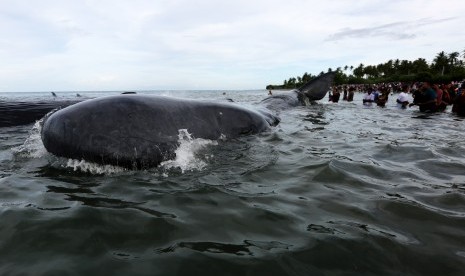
(316, 88)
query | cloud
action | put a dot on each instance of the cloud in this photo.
(403, 30)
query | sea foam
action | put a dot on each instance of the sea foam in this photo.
(93, 168)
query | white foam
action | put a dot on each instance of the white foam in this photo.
(33, 146)
(93, 168)
(187, 158)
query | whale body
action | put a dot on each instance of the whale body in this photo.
(15, 113)
(141, 131)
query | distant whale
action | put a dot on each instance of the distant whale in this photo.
(313, 90)
(26, 112)
(141, 131)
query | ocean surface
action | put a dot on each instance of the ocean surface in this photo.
(334, 189)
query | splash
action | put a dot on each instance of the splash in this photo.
(33, 146)
(187, 154)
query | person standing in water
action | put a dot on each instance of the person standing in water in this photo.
(426, 98)
(402, 98)
(368, 98)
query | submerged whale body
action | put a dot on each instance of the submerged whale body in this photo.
(25, 112)
(141, 131)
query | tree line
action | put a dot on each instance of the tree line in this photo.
(445, 67)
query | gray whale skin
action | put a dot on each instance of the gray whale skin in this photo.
(141, 131)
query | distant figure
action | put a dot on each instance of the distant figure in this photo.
(443, 98)
(336, 96)
(439, 104)
(403, 98)
(350, 97)
(78, 95)
(53, 94)
(383, 97)
(459, 101)
(269, 93)
(425, 98)
(375, 94)
(368, 98)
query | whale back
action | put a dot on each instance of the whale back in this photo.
(281, 101)
(15, 113)
(141, 131)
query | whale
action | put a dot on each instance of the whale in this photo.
(16, 113)
(312, 91)
(142, 131)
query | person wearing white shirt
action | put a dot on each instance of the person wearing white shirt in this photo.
(369, 97)
(403, 98)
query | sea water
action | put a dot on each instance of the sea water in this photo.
(334, 189)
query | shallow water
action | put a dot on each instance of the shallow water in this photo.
(334, 189)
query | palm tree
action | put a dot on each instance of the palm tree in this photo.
(396, 66)
(306, 77)
(404, 67)
(371, 71)
(389, 68)
(440, 62)
(453, 58)
(381, 69)
(358, 72)
(420, 65)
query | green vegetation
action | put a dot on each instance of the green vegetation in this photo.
(444, 68)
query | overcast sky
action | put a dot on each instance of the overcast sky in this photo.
(70, 45)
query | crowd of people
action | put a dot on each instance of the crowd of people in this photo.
(429, 97)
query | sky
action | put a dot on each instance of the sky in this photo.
(94, 45)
